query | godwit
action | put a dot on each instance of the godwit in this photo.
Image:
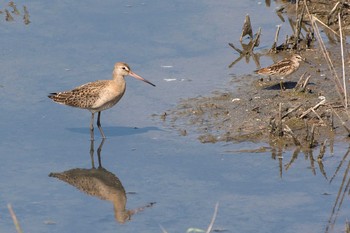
(282, 68)
(99, 95)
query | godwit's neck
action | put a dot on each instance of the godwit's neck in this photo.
(118, 77)
(119, 82)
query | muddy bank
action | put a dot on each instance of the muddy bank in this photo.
(252, 111)
(258, 110)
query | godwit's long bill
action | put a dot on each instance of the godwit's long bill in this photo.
(99, 95)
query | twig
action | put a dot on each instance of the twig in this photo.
(328, 60)
(237, 60)
(339, 199)
(279, 126)
(340, 165)
(300, 80)
(274, 45)
(341, 187)
(210, 227)
(14, 7)
(342, 122)
(332, 121)
(306, 129)
(8, 16)
(301, 86)
(246, 29)
(322, 150)
(343, 62)
(26, 16)
(318, 116)
(312, 162)
(291, 110)
(313, 108)
(272, 125)
(280, 160)
(162, 228)
(332, 11)
(286, 41)
(311, 143)
(323, 24)
(14, 218)
(320, 165)
(325, 53)
(306, 82)
(298, 29)
(238, 50)
(294, 157)
(327, 57)
(295, 139)
(346, 189)
(256, 40)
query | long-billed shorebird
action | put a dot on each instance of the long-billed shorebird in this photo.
(282, 68)
(99, 95)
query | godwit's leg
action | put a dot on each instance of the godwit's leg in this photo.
(92, 127)
(99, 125)
(92, 150)
(99, 153)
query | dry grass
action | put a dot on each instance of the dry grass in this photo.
(192, 229)
(14, 218)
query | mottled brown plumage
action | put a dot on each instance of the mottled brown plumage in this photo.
(282, 68)
(99, 95)
(81, 97)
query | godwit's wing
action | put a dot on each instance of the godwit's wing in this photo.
(83, 96)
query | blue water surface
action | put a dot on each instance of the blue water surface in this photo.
(181, 46)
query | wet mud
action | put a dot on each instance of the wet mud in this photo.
(252, 111)
(309, 112)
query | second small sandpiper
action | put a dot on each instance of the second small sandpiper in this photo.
(281, 68)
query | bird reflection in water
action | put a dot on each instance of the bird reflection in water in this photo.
(100, 183)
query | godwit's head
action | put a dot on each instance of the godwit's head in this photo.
(123, 69)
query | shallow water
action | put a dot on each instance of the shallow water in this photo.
(67, 44)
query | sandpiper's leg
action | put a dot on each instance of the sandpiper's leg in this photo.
(92, 127)
(99, 125)
(283, 88)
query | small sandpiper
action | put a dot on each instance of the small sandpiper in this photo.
(282, 68)
(99, 95)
